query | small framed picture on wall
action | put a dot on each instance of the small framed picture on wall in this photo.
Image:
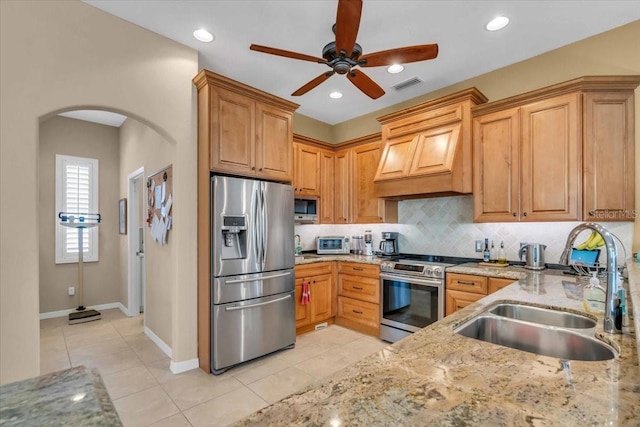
(123, 216)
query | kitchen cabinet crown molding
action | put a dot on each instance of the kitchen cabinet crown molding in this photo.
(472, 94)
(206, 77)
(581, 84)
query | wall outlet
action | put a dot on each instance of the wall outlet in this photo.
(72, 290)
(479, 245)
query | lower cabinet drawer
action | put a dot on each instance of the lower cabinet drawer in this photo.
(362, 288)
(365, 313)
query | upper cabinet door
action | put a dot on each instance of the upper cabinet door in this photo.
(327, 184)
(366, 207)
(396, 158)
(232, 132)
(496, 184)
(307, 170)
(274, 151)
(342, 195)
(608, 156)
(550, 159)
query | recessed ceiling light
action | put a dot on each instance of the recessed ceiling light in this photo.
(395, 68)
(497, 23)
(336, 95)
(203, 35)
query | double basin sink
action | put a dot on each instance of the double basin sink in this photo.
(545, 331)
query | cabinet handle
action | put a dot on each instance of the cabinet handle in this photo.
(357, 311)
(314, 281)
(525, 214)
(592, 213)
(253, 168)
(462, 282)
(357, 268)
(356, 288)
(514, 214)
(260, 169)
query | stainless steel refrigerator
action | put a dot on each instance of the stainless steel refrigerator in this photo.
(252, 260)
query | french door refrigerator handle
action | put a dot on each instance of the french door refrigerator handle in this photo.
(273, 276)
(263, 216)
(256, 226)
(242, 307)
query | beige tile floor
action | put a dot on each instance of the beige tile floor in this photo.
(146, 393)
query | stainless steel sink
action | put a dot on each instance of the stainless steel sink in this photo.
(543, 316)
(534, 338)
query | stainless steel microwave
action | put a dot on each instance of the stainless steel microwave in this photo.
(327, 245)
(305, 210)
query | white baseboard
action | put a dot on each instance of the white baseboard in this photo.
(187, 365)
(63, 313)
(156, 339)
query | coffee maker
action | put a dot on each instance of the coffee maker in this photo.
(389, 243)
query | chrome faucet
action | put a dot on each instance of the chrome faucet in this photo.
(610, 310)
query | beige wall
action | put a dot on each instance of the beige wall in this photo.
(75, 56)
(312, 128)
(141, 146)
(60, 135)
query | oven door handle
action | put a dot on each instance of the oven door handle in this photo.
(421, 281)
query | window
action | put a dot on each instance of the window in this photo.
(76, 191)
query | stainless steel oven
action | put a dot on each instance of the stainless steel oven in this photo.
(412, 297)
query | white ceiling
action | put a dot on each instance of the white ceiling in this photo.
(304, 26)
(96, 116)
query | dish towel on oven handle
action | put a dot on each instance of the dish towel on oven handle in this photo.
(306, 292)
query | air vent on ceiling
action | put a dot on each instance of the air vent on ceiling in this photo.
(405, 84)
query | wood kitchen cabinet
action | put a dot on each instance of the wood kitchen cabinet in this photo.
(608, 150)
(321, 308)
(342, 186)
(342, 179)
(359, 297)
(249, 132)
(560, 153)
(307, 170)
(327, 187)
(462, 290)
(527, 162)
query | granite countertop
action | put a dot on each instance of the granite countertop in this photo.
(438, 378)
(73, 397)
(510, 272)
(312, 258)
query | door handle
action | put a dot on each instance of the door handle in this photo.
(260, 304)
(273, 276)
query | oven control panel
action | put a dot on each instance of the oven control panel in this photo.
(413, 268)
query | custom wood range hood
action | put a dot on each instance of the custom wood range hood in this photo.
(428, 148)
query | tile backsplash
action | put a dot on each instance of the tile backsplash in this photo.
(444, 226)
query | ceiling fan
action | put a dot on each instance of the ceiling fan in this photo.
(344, 54)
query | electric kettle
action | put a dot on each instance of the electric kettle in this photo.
(534, 253)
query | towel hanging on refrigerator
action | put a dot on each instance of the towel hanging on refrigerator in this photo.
(306, 293)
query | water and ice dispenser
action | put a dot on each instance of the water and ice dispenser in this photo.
(234, 237)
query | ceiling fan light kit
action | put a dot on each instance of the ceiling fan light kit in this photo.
(344, 54)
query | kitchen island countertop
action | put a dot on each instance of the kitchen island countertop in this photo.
(73, 397)
(436, 377)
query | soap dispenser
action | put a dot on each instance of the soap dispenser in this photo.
(594, 295)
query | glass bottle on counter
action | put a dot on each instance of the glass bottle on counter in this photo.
(486, 255)
(502, 255)
(493, 253)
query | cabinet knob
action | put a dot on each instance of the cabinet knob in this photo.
(514, 214)
(592, 213)
(260, 169)
(525, 214)
(253, 168)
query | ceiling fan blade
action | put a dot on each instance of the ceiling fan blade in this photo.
(365, 84)
(401, 55)
(286, 53)
(347, 24)
(313, 83)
